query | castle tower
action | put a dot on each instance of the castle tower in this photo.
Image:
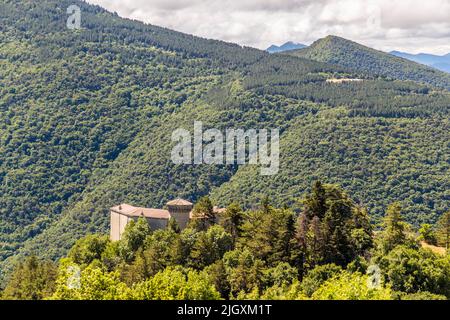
(180, 210)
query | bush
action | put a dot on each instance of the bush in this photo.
(88, 249)
(317, 276)
(412, 271)
(177, 283)
(350, 286)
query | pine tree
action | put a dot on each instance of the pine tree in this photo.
(137, 271)
(209, 247)
(394, 228)
(316, 243)
(204, 214)
(327, 226)
(315, 204)
(218, 275)
(32, 279)
(232, 220)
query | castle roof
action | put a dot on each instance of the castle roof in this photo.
(179, 202)
(131, 211)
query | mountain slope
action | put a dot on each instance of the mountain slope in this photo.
(339, 51)
(73, 101)
(438, 62)
(87, 116)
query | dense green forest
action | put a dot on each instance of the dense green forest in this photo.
(87, 116)
(328, 251)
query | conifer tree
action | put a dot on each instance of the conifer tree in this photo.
(203, 213)
(327, 226)
(32, 279)
(394, 228)
(232, 220)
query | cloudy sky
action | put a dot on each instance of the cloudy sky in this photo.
(407, 25)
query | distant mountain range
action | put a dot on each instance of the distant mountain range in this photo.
(441, 63)
(285, 47)
(343, 52)
(438, 62)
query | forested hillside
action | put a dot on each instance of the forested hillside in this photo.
(87, 116)
(347, 53)
(328, 252)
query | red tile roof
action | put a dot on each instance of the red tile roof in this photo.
(179, 202)
(132, 211)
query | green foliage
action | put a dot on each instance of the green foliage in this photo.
(317, 276)
(217, 273)
(421, 296)
(346, 53)
(86, 119)
(184, 245)
(443, 231)
(88, 249)
(209, 247)
(176, 284)
(374, 159)
(91, 283)
(292, 292)
(154, 256)
(133, 237)
(232, 220)
(338, 285)
(394, 233)
(204, 264)
(268, 233)
(173, 225)
(427, 234)
(350, 286)
(282, 275)
(411, 271)
(31, 279)
(111, 255)
(244, 272)
(332, 228)
(203, 213)
(360, 264)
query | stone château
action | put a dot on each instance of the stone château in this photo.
(179, 209)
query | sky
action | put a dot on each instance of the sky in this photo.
(412, 26)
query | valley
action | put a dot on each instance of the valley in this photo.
(87, 118)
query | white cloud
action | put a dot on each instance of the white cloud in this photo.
(409, 25)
